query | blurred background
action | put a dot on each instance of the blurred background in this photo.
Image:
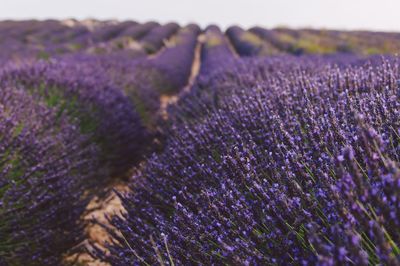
(330, 14)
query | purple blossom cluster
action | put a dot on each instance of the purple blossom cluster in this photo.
(47, 170)
(291, 163)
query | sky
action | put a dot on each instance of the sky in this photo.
(336, 14)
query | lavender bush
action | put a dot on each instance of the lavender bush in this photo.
(216, 58)
(300, 168)
(84, 92)
(245, 43)
(154, 40)
(108, 32)
(216, 52)
(169, 71)
(174, 64)
(41, 39)
(47, 169)
(272, 37)
(138, 31)
(329, 41)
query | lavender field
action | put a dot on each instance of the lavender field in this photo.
(127, 143)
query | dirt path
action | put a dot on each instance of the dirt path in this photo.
(102, 207)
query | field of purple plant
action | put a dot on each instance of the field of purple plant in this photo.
(239, 147)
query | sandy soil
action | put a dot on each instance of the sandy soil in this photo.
(105, 207)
